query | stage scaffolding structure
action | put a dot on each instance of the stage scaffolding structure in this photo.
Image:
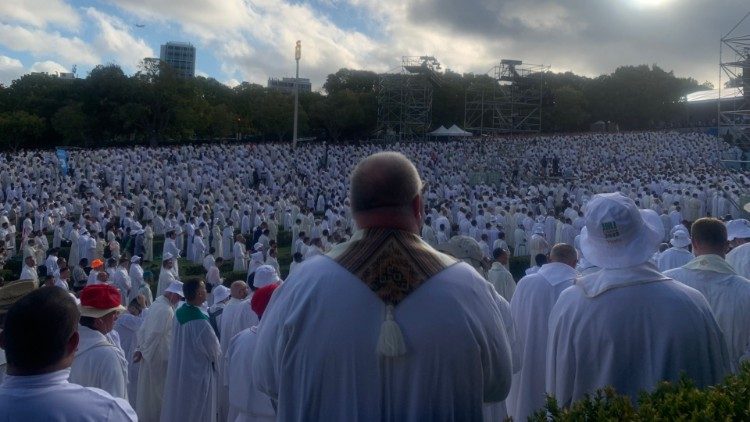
(507, 100)
(734, 107)
(405, 99)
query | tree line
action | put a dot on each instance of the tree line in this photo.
(108, 107)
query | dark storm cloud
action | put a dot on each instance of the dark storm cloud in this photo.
(595, 36)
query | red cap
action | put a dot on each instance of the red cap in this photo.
(100, 299)
(261, 297)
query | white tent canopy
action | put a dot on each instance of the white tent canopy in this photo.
(439, 131)
(453, 131)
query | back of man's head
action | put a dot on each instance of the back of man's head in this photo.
(540, 259)
(564, 254)
(37, 331)
(384, 180)
(709, 236)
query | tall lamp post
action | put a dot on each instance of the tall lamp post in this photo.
(297, 56)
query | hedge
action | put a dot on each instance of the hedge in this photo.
(729, 400)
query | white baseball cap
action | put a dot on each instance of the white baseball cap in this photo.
(175, 287)
(617, 234)
(220, 293)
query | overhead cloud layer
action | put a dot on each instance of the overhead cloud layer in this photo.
(251, 40)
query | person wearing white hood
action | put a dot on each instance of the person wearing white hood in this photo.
(136, 277)
(677, 255)
(739, 257)
(154, 341)
(726, 292)
(628, 325)
(98, 362)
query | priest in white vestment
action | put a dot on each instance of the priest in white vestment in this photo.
(726, 292)
(154, 341)
(530, 308)
(628, 325)
(99, 362)
(190, 388)
(397, 314)
(677, 255)
(245, 400)
(127, 326)
(499, 276)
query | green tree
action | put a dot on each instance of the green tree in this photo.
(20, 128)
(72, 124)
(569, 110)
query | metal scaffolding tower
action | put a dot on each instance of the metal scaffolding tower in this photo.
(405, 99)
(734, 99)
(507, 100)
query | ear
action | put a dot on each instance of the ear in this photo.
(417, 208)
(72, 345)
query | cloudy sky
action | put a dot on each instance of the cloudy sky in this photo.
(250, 40)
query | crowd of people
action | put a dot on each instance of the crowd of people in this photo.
(628, 283)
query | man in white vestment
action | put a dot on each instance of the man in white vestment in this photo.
(628, 325)
(726, 292)
(127, 326)
(190, 389)
(154, 342)
(167, 273)
(28, 272)
(499, 276)
(245, 400)
(234, 318)
(739, 257)
(40, 340)
(388, 335)
(98, 361)
(677, 255)
(530, 308)
(537, 244)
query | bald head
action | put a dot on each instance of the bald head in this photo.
(384, 180)
(238, 290)
(564, 254)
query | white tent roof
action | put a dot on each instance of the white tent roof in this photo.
(457, 131)
(439, 131)
(713, 95)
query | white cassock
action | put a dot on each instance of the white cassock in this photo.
(238, 253)
(344, 378)
(99, 363)
(739, 259)
(154, 341)
(631, 328)
(502, 280)
(537, 245)
(190, 388)
(127, 326)
(136, 280)
(199, 249)
(673, 258)
(50, 397)
(530, 307)
(166, 277)
(236, 316)
(729, 297)
(245, 400)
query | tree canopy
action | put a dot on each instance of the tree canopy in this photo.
(108, 107)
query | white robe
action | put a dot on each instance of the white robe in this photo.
(631, 328)
(154, 341)
(673, 258)
(502, 280)
(245, 400)
(344, 379)
(99, 363)
(127, 326)
(729, 297)
(530, 307)
(236, 316)
(39, 397)
(190, 388)
(739, 259)
(166, 277)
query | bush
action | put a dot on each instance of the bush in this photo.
(682, 400)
